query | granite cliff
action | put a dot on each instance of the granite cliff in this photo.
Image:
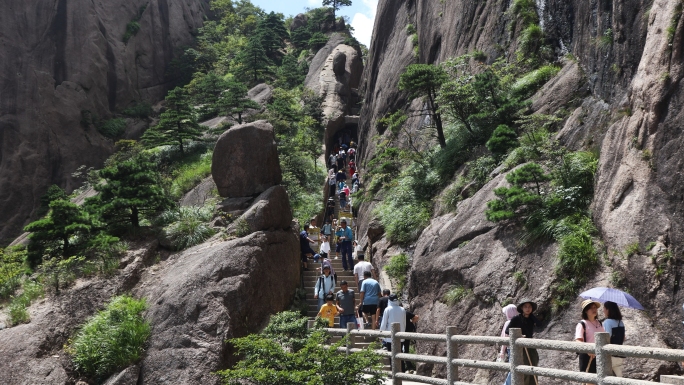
(624, 101)
(60, 58)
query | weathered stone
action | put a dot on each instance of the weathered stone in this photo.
(66, 58)
(245, 160)
(128, 376)
(299, 21)
(201, 194)
(270, 210)
(570, 84)
(233, 204)
(210, 293)
(261, 93)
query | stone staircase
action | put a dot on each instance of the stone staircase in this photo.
(310, 278)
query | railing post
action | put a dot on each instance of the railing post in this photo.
(396, 349)
(452, 353)
(516, 356)
(310, 324)
(350, 338)
(604, 367)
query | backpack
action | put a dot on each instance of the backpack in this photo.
(343, 196)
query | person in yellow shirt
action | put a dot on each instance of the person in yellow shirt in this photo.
(330, 310)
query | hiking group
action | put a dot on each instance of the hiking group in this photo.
(522, 317)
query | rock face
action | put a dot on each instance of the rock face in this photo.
(59, 58)
(210, 293)
(335, 74)
(623, 99)
(196, 300)
(245, 160)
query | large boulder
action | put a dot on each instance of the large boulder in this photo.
(270, 210)
(261, 93)
(246, 161)
(209, 294)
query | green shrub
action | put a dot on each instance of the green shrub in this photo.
(519, 277)
(632, 249)
(577, 256)
(112, 128)
(271, 358)
(190, 226)
(18, 314)
(242, 228)
(140, 110)
(317, 41)
(397, 269)
(456, 294)
(526, 11)
(132, 29)
(112, 339)
(410, 29)
(503, 139)
(289, 329)
(12, 269)
(403, 222)
(530, 83)
(190, 174)
(530, 41)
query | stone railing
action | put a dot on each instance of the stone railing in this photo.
(517, 344)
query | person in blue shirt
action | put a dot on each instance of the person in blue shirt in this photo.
(344, 239)
(369, 295)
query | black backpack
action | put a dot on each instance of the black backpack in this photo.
(343, 196)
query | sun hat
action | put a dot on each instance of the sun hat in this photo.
(588, 302)
(520, 305)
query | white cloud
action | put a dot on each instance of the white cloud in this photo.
(363, 22)
(315, 3)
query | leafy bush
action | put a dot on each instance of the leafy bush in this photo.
(132, 29)
(190, 226)
(527, 85)
(17, 309)
(522, 198)
(317, 41)
(397, 268)
(271, 358)
(456, 294)
(112, 128)
(112, 339)
(577, 257)
(12, 269)
(242, 228)
(140, 110)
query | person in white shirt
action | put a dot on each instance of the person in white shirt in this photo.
(393, 313)
(325, 246)
(361, 267)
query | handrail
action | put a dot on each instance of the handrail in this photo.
(517, 345)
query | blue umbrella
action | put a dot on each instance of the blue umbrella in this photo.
(603, 294)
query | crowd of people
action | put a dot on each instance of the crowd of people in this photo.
(522, 317)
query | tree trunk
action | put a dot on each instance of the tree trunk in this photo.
(65, 240)
(239, 119)
(438, 120)
(180, 138)
(135, 218)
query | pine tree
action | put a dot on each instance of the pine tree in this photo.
(291, 73)
(132, 188)
(524, 195)
(52, 235)
(176, 125)
(424, 80)
(503, 139)
(336, 5)
(272, 33)
(253, 59)
(234, 101)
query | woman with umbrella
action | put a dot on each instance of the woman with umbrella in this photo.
(584, 332)
(612, 298)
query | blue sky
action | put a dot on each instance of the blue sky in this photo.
(361, 13)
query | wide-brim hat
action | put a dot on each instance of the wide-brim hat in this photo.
(520, 305)
(588, 302)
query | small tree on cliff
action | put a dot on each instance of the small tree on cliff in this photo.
(176, 125)
(52, 236)
(336, 5)
(233, 101)
(131, 189)
(253, 59)
(424, 81)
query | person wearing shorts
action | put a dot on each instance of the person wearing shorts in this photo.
(369, 295)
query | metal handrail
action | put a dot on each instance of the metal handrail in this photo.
(517, 345)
